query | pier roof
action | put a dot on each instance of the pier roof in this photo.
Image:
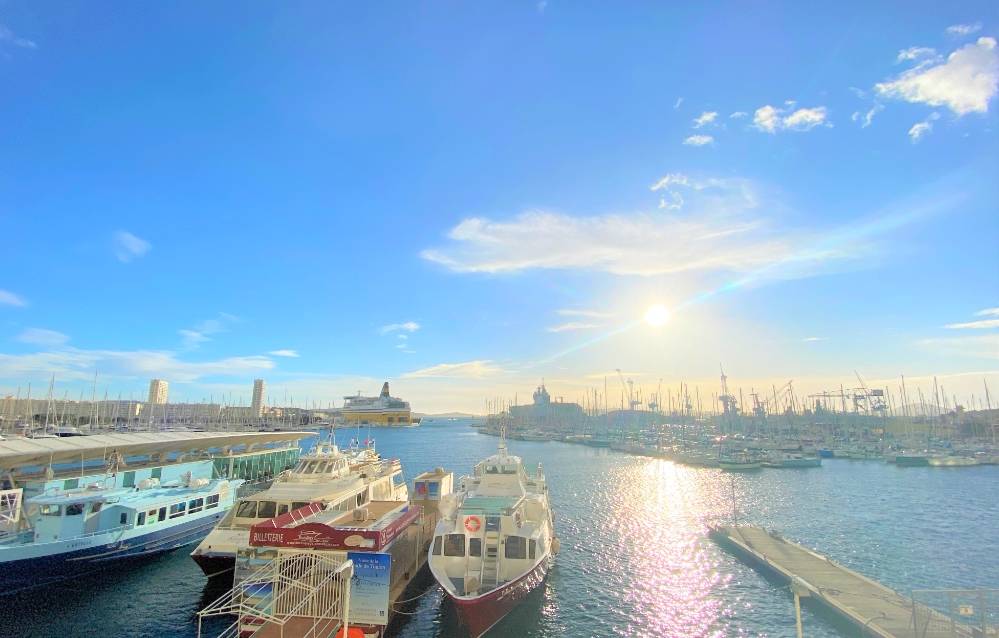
(20, 452)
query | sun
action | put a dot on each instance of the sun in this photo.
(657, 315)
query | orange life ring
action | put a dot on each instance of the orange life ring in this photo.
(473, 524)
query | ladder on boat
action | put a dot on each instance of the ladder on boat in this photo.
(490, 561)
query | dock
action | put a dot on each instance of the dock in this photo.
(872, 608)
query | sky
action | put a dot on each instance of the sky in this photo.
(467, 198)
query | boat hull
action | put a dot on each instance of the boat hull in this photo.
(481, 613)
(26, 573)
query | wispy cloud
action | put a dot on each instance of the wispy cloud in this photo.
(42, 337)
(720, 229)
(293, 354)
(964, 83)
(477, 369)
(576, 312)
(988, 312)
(8, 298)
(203, 331)
(705, 118)
(406, 326)
(915, 53)
(69, 363)
(573, 326)
(738, 115)
(678, 102)
(9, 37)
(771, 119)
(814, 339)
(699, 140)
(964, 29)
(921, 129)
(974, 325)
(867, 117)
(128, 247)
(972, 346)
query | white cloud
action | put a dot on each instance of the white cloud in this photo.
(572, 326)
(8, 37)
(915, 53)
(814, 339)
(738, 115)
(8, 298)
(42, 337)
(770, 119)
(965, 83)
(698, 140)
(466, 370)
(868, 117)
(678, 102)
(593, 314)
(284, 353)
(407, 326)
(705, 118)
(920, 129)
(964, 29)
(974, 325)
(720, 230)
(128, 247)
(194, 337)
(988, 312)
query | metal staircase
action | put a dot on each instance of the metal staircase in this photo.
(490, 561)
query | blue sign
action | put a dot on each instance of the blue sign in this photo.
(369, 588)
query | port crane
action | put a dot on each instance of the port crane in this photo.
(629, 390)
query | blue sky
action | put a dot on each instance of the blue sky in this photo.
(466, 197)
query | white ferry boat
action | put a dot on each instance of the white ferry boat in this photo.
(495, 541)
(341, 480)
(382, 410)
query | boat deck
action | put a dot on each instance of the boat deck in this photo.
(870, 606)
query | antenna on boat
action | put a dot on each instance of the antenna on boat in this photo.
(502, 441)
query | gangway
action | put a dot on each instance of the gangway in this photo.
(298, 594)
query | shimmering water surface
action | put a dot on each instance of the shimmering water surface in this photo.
(635, 557)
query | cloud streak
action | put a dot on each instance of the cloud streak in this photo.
(478, 369)
(771, 119)
(8, 298)
(128, 247)
(573, 326)
(406, 326)
(42, 337)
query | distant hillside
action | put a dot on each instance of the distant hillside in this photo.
(447, 415)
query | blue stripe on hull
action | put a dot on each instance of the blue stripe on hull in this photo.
(19, 575)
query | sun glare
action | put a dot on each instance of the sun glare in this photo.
(657, 315)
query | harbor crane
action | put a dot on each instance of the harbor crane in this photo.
(727, 399)
(629, 390)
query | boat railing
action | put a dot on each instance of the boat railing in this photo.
(305, 585)
(99, 532)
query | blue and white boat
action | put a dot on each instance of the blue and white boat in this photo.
(63, 533)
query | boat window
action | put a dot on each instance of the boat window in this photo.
(454, 545)
(213, 501)
(151, 517)
(298, 505)
(492, 469)
(247, 509)
(141, 520)
(123, 519)
(267, 509)
(437, 545)
(71, 484)
(362, 498)
(162, 514)
(420, 487)
(96, 506)
(128, 480)
(492, 523)
(177, 510)
(532, 549)
(435, 489)
(282, 509)
(156, 473)
(475, 547)
(509, 469)
(195, 505)
(51, 510)
(515, 547)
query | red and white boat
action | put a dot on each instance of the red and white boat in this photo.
(495, 541)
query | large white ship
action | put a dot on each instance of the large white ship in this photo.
(495, 541)
(337, 479)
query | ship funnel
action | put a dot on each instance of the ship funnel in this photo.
(385, 390)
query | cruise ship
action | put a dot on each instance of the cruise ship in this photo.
(495, 541)
(382, 410)
(337, 479)
(70, 506)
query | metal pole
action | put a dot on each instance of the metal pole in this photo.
(797, 614)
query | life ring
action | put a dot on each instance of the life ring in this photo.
(473, 524)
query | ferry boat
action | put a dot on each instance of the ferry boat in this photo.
(382, 410)
(495, 541)
(786, 460)
(739, 462)
(341, 479)
(61, 534)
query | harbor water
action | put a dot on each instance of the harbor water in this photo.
(635, 557)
